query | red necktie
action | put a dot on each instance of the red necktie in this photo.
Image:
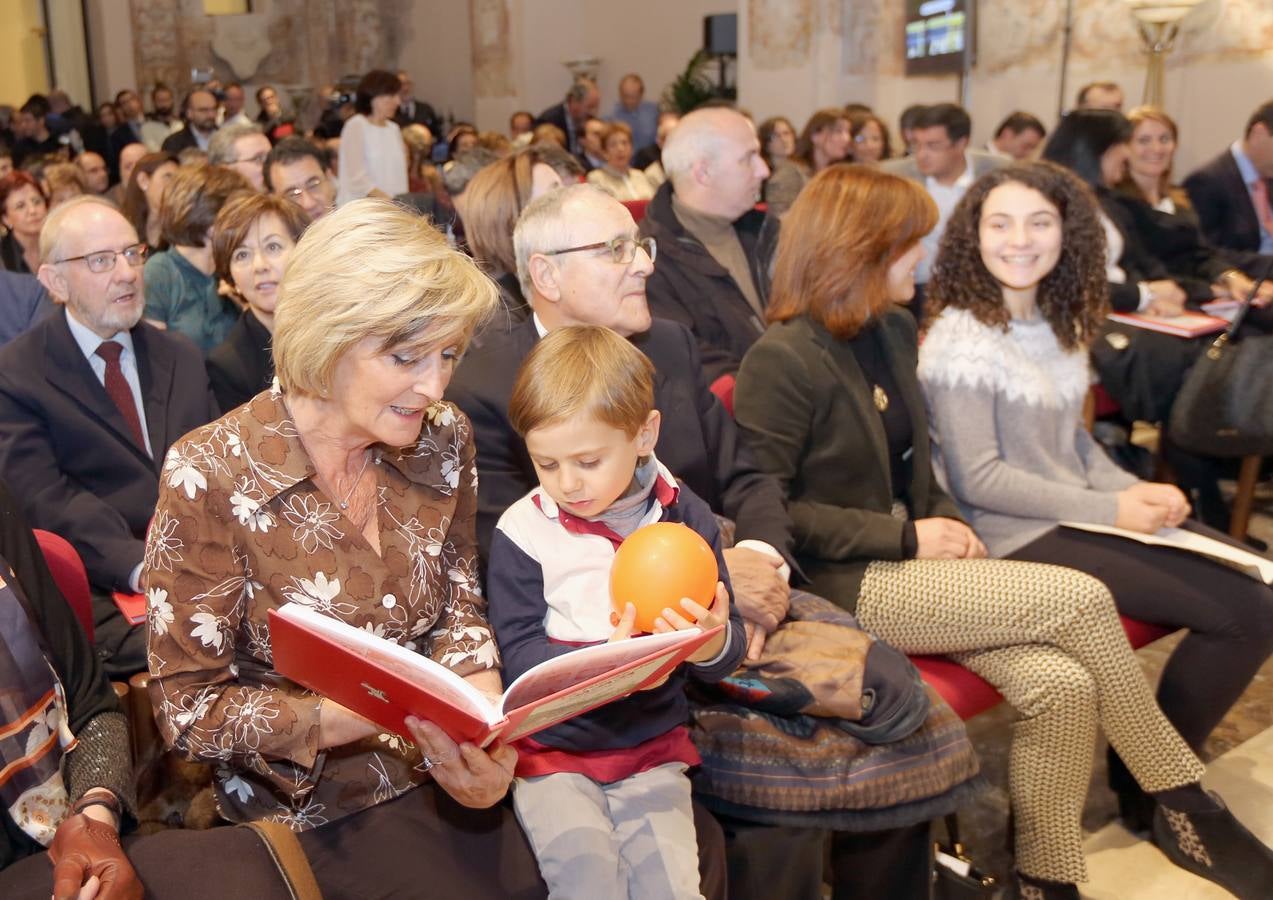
(118, 390)
(1260, 194)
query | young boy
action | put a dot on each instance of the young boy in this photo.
(602, 797)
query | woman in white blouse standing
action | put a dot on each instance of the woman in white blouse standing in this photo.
(373, 158)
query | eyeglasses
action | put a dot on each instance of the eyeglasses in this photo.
(104, 260)
(310, 187)
(258, 160)
(622, 249)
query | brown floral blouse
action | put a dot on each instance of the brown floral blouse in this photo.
(241, 528)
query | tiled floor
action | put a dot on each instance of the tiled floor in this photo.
(1123, 867)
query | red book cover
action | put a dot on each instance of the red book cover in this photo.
(386, 682)
(1186, 325)
(131, 606)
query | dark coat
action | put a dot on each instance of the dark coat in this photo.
(1137, 262)
(1225, 212)
(807, 412)
(698, 441)
(690, 287)
(67, 451)
(242, 365)
(182, 139)
(23, 302)
(11, 255)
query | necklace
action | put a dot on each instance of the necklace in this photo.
(344, 504)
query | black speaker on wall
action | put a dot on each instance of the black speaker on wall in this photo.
(720, 34)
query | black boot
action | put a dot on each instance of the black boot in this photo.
(1026, 888)
(1212, 844)
(1135, 807)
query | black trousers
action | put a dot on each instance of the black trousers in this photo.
(1229, 616)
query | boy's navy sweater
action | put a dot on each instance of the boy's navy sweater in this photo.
(548, 593)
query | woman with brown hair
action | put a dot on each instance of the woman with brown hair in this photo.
(616, 176)
(144, 193)
(181, 287)
(496, 196)
(870, 138)
(830, 403)
(824, 140)
(1019, 292)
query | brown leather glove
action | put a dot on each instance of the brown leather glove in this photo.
(83, 847)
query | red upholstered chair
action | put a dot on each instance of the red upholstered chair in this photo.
(68, 573)
(969, 694)
(723, 388)
(637, 208)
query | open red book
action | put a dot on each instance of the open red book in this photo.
(386, 682)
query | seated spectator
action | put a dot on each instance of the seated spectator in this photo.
(1100, 95)
(72, 795)
(456, 176)
(63, 181)
(870, 135)
(1231, 192)
(93, 169)
(143, 197)
(581, 103)
(242, 148)
(616, 176)
(713, 275)
(830, 386)
(199, 112)
(604, 798)
(181, 284)
(131, 119)
(357, 384)
(824, 140)
(548, 134)
(777, 140)
(419, 141)
(252, 238)
(1007, 336)
(373, 159)
(230, 110)
(23, 207)
(942, 164)
(906, 126)
(646, 158)
(297, 171)
(162, 108)
(108, 116)
(273, 121)
(23, 302)
(461, 139)
(519, 123)
(128, 158)
(1018, 137)
(593, 156)
(91, 398)
(33, 136)
(493, 201)
(632, 109)
(6, 161)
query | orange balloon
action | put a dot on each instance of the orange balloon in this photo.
(657, 566)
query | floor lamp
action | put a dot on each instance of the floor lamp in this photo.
(1159, 23)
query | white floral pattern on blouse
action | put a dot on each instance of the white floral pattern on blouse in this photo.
(240, 529)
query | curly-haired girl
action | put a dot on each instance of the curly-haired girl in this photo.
(1018, 290)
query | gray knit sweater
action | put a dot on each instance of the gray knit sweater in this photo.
(1005, 411)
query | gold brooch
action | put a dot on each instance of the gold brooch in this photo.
(880, 397)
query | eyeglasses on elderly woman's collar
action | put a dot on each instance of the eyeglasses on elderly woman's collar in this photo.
(622, 249)
(100, 261)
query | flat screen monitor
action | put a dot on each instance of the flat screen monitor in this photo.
(720, 34)
(937, 32)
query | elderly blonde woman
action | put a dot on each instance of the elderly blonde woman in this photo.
(616, 176)
(348, 486)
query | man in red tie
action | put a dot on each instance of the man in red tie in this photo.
(1231, 192)
(90, 400)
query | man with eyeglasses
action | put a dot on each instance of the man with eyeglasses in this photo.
(714, 277)
(942, 163)
(91, 397)
(200, 115)
(242, 148)
(297, 171)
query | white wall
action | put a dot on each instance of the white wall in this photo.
(110, 47)
(438, 54)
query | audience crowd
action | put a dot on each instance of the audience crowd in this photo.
(426, 379)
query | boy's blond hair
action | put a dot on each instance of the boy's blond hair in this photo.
(583, 370)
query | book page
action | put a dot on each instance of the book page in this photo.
(407, 664)
(573, 668)
(1252, 564)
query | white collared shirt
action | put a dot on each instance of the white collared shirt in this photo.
(89, 342)
(1249, 177)
(947, 197)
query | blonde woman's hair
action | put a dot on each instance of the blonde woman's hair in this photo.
(372, 269)
(583, 370)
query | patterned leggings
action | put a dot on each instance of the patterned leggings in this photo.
(1050, 640)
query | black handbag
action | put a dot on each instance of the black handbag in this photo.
(1225, 406)
(955, 877)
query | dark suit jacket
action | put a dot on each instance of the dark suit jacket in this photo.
(558, 115)
(120, 138)
(690, 287)
(241, 366)
(423, 114)
(807, 412)
(1225, 212)
(67, 453)
(179, 140)
(698, 441)
(1137, 262)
